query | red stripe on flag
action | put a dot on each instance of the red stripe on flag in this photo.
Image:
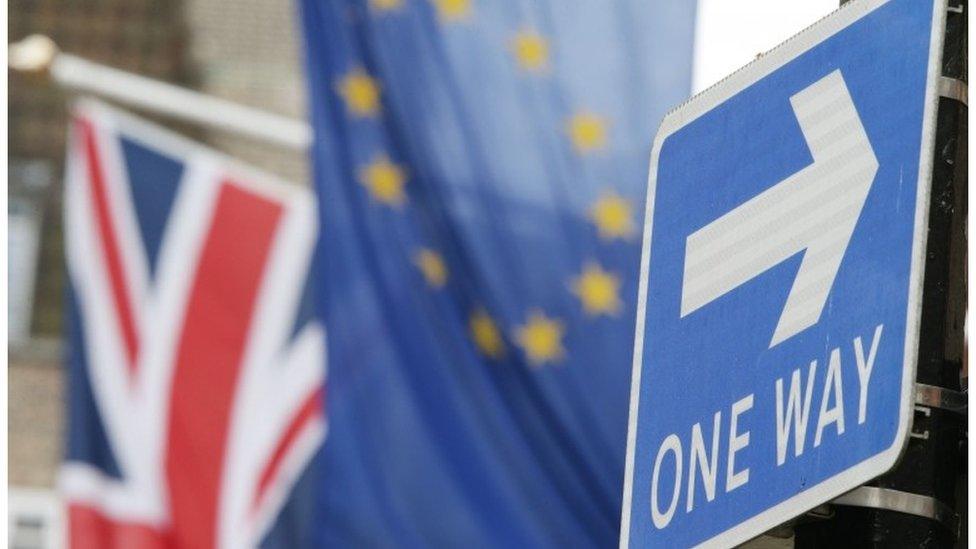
(212, 344)
(107, 233)
(88, 528)
(309, 412)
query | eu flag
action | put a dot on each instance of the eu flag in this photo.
(481, 171)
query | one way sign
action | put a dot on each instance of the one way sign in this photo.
(777, 326)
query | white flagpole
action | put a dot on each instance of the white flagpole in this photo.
(39, 54)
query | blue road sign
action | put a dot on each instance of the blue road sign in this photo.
(777, 326)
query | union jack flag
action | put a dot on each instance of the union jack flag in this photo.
(196, 368)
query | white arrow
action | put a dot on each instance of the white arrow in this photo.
(814, 209)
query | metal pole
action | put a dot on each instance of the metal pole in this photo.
(39, 54)
(915, 505)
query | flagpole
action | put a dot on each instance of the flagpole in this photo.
(39, 54)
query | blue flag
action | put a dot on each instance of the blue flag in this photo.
(481, 169)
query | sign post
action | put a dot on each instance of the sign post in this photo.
(782, 273)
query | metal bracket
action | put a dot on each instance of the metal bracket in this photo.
(902, 502)
(820, 512)
(953, 88)
(924, 435)
(932, 396)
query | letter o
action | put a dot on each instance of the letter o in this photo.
(671, 443)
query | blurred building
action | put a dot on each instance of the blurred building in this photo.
(243, 50)
(249, 51)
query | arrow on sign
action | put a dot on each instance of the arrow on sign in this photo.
(815, 209)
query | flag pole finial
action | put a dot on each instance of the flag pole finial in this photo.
(33, 54)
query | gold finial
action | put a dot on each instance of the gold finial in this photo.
(33, 54)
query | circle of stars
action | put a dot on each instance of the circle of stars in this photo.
(541, 336)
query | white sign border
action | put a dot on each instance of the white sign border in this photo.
(706, 101)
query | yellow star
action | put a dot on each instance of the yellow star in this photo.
(449, 11)
(531, 51)
(598, 290)
(541, 339)
(485, 334)
(587, 131)
(360, 92)
(613, 217)
(431, 264)
(385, 5)
(384, 180)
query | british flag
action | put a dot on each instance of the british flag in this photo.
(196, 367)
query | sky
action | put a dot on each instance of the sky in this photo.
(730, 33)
